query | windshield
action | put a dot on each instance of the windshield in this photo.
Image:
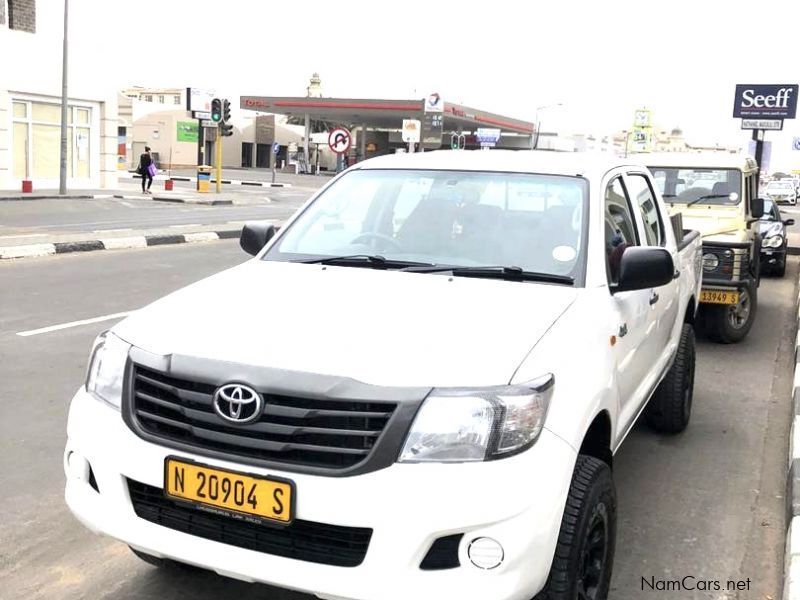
(780, 185)
(533, 222)
(699, 186)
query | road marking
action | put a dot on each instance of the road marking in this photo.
(72, 324)
(110, 230)
(22, 235)
(187, 225)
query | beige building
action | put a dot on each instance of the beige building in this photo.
(30, 108)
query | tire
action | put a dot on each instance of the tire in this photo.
(670, 407)
(780, 268)
(728, 324)
(588, 530)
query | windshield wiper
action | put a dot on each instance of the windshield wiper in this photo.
(707, 197)
(374, 261)
(495, 272)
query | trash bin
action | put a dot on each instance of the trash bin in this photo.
(204, 178)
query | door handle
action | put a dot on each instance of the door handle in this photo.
(653, 298)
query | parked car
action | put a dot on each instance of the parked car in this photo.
(781, 191)
(772, 227)
(414, 390)
(716, 195)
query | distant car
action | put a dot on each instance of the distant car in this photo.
(772, 228)
(781, 191)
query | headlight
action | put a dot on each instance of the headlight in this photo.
(106, 368)
(710, 261)
(776, 241)
(466, 425)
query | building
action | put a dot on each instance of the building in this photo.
(170, 97)
(30, 107)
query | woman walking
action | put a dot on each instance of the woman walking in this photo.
(146, 169)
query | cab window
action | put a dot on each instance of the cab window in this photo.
(620, 230)
(645, 202)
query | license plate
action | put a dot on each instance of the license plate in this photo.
(228, 492)
(719, 297)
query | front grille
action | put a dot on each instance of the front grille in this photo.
(734, 263)
(302, 540)
(305, 432)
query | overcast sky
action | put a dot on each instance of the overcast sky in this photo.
(602, 60)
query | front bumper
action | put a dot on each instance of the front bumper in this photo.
(517, 501)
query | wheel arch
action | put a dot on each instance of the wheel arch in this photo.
(597, 441)
(691, 312)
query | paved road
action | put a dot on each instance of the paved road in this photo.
(708, 503)
(53, 216)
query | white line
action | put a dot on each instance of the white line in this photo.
(22, 235)
(187, 225)
(72, 324)
(110, 230)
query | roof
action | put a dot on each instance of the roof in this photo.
(383, 113)
(515, 161)
(723, 160)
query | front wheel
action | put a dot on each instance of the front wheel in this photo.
(730, 324)
(671, 405)
(584, 554)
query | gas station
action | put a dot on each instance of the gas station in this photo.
(376, 126)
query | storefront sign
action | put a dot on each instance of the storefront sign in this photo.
(778, 101)
(188, 131)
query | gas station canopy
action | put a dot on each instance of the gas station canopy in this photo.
(383, 114)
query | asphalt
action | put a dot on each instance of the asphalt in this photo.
(707, 503)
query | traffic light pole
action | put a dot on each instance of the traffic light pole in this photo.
(218, 148)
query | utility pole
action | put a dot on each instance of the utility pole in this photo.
(62, 176)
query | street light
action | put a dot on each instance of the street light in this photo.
(62, 175)
(538, 123)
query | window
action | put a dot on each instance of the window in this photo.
(247, 154)
(148, 97)
(161, 99)
(534, 222)
(698, 186)
(644, 198)
(619, 227)
(176, 99)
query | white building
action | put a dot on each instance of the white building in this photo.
(30, 111)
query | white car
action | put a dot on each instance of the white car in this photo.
(414, 390)
(782, 191)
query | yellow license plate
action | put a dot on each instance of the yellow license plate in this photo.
(719, 297)
(228, 492)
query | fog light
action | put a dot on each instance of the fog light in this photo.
(77, 466)
(485, 553)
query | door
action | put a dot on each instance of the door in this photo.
(665, 299)
(262, 156)
(247, 154)
(634, 349)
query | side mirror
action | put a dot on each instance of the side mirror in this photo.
(255, 236)
(788, 222)
(757, 207)
(641, 268)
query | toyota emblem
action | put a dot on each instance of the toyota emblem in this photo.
(237, 403)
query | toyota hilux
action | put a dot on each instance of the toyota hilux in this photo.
(415, 389)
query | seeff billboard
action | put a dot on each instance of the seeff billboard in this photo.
(777, 101)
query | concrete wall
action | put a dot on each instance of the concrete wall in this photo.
(160, 131)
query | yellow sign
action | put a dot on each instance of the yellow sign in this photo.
(237, 493)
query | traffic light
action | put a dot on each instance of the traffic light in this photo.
(216, 110)
(225, 129)
(226, 111)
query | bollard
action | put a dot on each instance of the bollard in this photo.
(168, 185)
(27, 186)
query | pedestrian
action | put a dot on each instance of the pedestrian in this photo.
(146, 169)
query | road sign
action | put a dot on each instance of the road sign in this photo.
(276, 147)
(778, 101)
(339, 140)
(201, 114)
(772, 124)
(208, 123)
(487, 136)
(197, 99)
(434, 103)
(411, 130)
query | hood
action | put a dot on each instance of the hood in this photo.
(712, 220)
(770, 228)
(380, 327)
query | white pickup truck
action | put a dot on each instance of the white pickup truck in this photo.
(414, 390)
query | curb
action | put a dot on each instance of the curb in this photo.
(55, 196)
(139, 241)
(224, 181)
(791, 585)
